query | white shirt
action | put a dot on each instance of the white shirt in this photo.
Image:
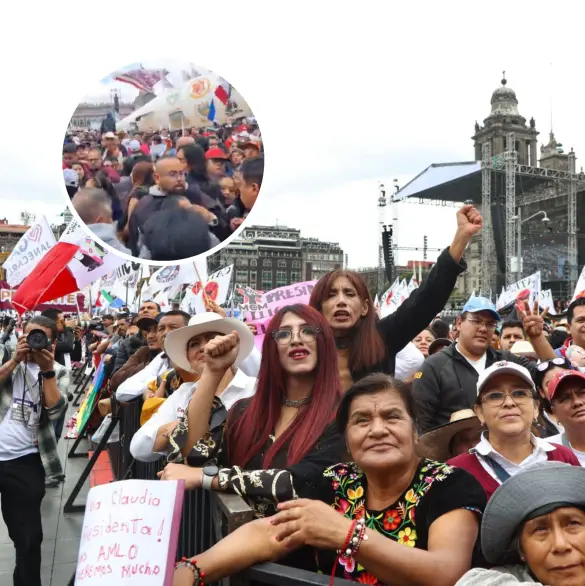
(479, 365)
(142, 444)
(135, 386)
(17, 437)
(561, 440)
(408, 362)
(539, 454)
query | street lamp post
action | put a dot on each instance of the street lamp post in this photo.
(518, 218)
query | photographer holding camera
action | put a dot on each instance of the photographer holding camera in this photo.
(30, 400)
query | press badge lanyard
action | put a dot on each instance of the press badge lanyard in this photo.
(26, 387)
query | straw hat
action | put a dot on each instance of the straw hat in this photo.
(176, 341)
(435, 443)
(523, 348)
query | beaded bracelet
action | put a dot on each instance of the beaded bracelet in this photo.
(358, 535)
(198, 575)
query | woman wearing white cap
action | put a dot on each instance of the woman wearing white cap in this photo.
(507, 405)
(533, 528)
(198, 348)
(276, 439)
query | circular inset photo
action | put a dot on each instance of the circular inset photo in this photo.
(163, 160)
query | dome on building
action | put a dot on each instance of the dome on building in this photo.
(504, 101)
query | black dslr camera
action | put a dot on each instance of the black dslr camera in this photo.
(38, 340)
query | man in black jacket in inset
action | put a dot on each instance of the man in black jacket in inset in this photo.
(447, 381)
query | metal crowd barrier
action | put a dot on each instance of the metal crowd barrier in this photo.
(207, 516)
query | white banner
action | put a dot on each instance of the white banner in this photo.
(173, 275)
(546, 302)
(217, 289)
(528, 289)
(31, 248)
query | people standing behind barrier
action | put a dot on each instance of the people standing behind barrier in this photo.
(366, 344)
(447, 381)
(144, 355)
(32, 396)
(566, 394)
(533, 529)
(197, 349)
(507, 405)
(129, 346)
(274, 440)
(386, 516)
(134, 387)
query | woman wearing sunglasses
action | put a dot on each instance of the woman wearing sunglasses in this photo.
(507, 405)
(276, 439)
(548, 424)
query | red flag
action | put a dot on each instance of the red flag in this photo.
(49, 280)
(221, 95)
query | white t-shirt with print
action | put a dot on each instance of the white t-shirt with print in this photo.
(18, 429)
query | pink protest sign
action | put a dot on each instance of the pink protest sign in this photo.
(130, 533)
(261, 313)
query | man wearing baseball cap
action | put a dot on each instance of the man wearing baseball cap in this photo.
(215, 162)
(566, 393)
(447, 381)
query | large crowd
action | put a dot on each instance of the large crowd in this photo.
(164, 196)
(395, 451)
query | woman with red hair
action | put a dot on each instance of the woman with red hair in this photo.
(276, 440)
(366, 344)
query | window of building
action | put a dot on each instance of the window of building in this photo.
(282, 264)
(253, 262)
(296, 264)
(295, 276)
(266, 262)
(253, 278)
(242, 277)
(281, 279)
(266, 280)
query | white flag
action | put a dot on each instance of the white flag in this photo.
(579, 289)
(28, 252)
(217, 289)
(171, 276)
(546, 301)
(386, 300)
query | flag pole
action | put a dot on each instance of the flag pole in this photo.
(205, 298)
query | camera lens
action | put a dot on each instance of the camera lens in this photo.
(38, 340)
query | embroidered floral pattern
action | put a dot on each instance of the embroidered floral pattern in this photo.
(397, 522)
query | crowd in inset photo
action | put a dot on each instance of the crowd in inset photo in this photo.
(164, 196)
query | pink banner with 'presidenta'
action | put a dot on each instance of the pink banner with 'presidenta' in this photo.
(261, 313)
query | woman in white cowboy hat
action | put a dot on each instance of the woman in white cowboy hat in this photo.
(462, 433)
(273, 441)
(201, 348)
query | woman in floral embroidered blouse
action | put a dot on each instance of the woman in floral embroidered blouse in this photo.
(421, 516)
(274, 441)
